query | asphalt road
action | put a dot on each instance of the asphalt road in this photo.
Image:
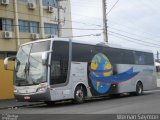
(149, 103)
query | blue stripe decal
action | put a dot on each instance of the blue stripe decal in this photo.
(100, 71)
(115, 78)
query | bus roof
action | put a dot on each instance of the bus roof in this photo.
(89, 43)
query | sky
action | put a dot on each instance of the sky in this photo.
(131, 23)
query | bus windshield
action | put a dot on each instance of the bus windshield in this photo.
(28, 65)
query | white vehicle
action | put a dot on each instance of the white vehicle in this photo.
(60, 69)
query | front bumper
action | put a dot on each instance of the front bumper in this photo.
(33, 97)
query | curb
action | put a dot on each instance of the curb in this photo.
(18, 106)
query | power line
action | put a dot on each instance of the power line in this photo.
(112, 7)
(133, 41)
(132, 34)
(133, 38)
(85, 35)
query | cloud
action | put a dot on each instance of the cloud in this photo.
(140, 18)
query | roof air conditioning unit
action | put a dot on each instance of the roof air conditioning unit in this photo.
(4, 2)
(50, 9)
(34, 36)
(31, 5)
(7, 34)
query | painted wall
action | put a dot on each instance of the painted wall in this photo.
(6, 82)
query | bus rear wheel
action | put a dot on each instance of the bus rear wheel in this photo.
(79, 95)
(139, 89)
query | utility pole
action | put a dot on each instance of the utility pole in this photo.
(17, 25)
(58, 15)
(157, 55)
(41, 19)
(104, 7)
(59, 8)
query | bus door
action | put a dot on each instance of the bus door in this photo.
(59, 70)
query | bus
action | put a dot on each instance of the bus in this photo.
(58, 69)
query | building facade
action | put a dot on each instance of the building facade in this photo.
(22, 21)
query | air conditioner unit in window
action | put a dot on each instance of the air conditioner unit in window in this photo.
(31, 5)
(7, 34)
(34, 36)
(4, 2)
(52, 36)
(50, 9)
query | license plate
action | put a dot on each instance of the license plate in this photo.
(27, 97)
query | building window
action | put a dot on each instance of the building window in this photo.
(34, 27)
(51, 29)
(28, 26)
(23, 26)
(23, 1)
(6, 24)
(27, 1)
(50, 3)
(11, 54)
(2, 55)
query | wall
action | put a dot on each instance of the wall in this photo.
(6, 82)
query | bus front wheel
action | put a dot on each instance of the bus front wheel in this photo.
(79, 95)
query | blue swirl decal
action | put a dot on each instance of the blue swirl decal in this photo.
(115, 79)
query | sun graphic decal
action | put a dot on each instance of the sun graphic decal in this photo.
(100, 67)
(101, 74)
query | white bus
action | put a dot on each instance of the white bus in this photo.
(61, 69)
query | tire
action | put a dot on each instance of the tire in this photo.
(49, 103)
(139, 89)
(79, 95)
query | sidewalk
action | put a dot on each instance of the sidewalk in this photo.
(14, 103)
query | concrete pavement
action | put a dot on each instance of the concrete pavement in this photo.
(12, 103)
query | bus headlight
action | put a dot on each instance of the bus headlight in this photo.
(41, 89)
(15, 90)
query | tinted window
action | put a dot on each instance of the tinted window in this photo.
(59, 62)
(127, 56)
(149, 59)
(82, 53)
(142, 58)
(119, 56)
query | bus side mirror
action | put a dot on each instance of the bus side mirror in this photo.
(44, 58)
(6, 62)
